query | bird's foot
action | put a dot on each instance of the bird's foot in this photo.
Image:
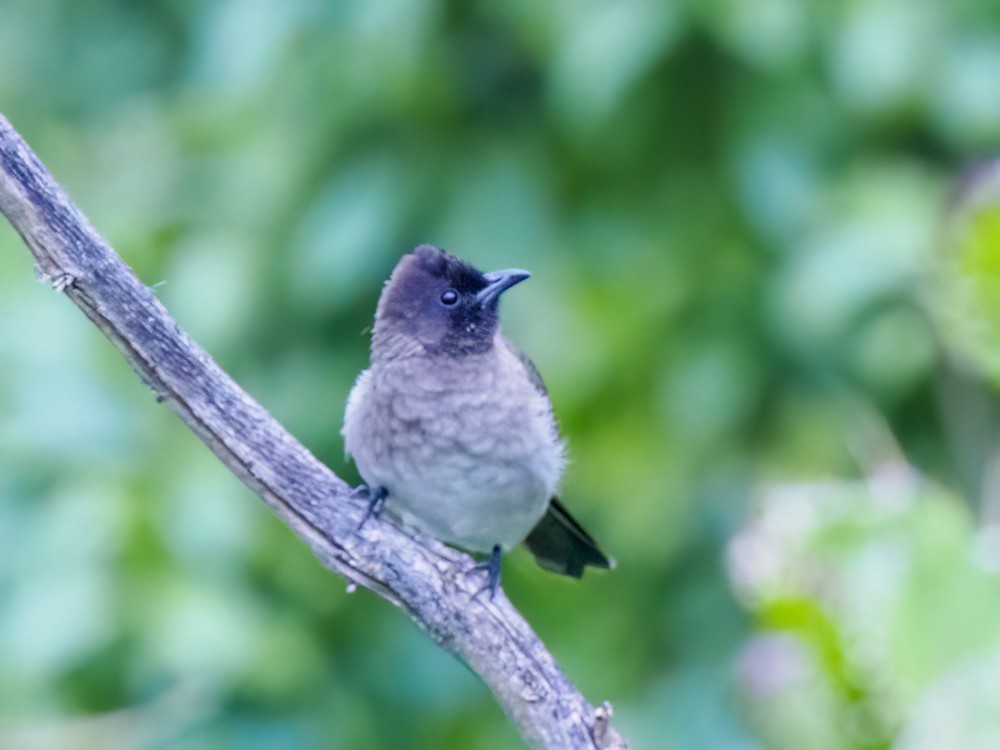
(376, 501)
(492, 567)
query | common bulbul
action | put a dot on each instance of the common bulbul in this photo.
(451, 427)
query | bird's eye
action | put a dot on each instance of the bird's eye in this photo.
(449, 298)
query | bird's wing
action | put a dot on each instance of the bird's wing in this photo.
(558, 542)
(529, 367)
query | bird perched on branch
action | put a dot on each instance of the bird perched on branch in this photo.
(451, 427)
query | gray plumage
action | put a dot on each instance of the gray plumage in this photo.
(455, 424)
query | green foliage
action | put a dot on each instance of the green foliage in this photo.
(968, 277)
(881, 598)
(730, 210)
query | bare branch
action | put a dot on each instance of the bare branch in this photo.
(424, 577)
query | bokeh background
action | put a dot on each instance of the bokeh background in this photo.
(763, 309)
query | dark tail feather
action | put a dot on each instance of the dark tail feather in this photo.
(561, 545)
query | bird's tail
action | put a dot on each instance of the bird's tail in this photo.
(561, 545)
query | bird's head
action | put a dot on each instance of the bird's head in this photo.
(436, 303)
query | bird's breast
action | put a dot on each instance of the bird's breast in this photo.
(467, 413)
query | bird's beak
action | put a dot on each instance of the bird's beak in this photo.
(498, 282)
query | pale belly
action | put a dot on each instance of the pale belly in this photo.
(466, 468)
(474, 503)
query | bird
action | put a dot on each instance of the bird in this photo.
(451, 427)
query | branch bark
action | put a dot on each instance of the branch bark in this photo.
(422, 576)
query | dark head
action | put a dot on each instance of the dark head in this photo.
(438, 304)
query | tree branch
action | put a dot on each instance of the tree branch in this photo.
(424, 577)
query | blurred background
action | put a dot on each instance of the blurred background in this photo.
(764, 302)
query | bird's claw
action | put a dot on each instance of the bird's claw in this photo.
(492, 567)
(376, 501)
